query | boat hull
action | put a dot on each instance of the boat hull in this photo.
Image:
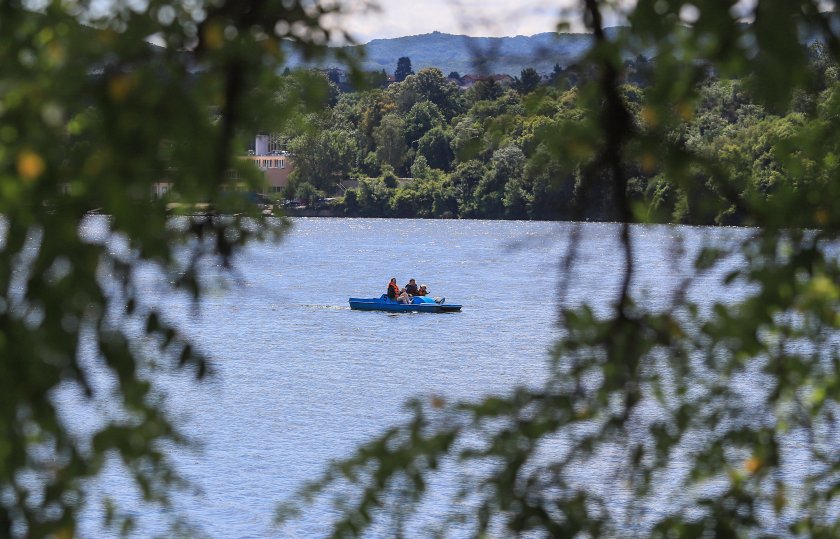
(422, 305)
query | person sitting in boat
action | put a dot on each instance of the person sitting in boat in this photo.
(395, 293)
(411, 288)
(423, 291)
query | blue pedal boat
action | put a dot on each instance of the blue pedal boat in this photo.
(421, 304)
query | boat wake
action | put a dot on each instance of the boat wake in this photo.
(326, 307)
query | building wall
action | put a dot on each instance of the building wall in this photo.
(275, 168)
(278, 178)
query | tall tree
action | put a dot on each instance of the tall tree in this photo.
(506, 165)
(324, 157)
(403, 69)
(465, 179)
(420, 119)
(430, 85)
(486, 89)
(556, 73)
(436, 146)
(390, 141)
(527, 81)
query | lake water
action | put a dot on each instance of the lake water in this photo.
(300, 379)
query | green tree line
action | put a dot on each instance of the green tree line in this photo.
(422, 148)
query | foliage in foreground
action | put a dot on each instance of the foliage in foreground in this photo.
(92, 117)
(644, 426)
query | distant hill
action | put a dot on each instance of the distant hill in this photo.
(466, 54)
(510, 55)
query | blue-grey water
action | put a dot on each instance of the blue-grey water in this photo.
(300, 379)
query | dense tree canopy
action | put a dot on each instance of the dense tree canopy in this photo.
(722, 118)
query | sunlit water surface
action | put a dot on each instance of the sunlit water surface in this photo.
(300, 379)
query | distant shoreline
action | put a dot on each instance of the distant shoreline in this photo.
(308, 212)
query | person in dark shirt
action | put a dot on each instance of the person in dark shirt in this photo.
(411, 288)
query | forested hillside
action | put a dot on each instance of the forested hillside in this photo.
(492, 151)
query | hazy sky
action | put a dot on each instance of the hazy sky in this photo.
(485, 17)
(471, 17)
